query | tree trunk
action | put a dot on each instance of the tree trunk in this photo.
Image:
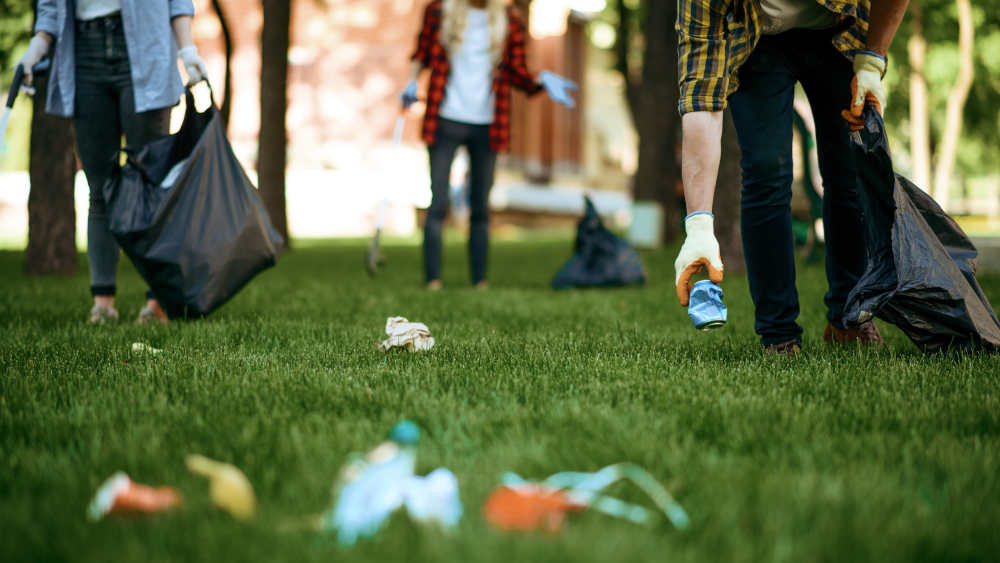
(272, 155)
(653, 103)
(727, 200)
(956, 103)
(51, 214)
(227, 40)
(920, 140)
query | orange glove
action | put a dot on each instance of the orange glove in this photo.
(866, 88)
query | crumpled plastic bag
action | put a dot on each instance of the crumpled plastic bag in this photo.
(121, 495)
(413, 337)
(920, 268)
(600, 259)
(228, 486)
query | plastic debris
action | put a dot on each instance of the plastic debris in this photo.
(228, 486)
(525, 506)
(414, 337)
(371, 488)
(120, 495)
(141, 348)
(705, 308)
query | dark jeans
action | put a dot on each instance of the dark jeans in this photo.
(105, 109)
(762, 111)
(482, 161)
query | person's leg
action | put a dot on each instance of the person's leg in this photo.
(141, 128)
(482, 164)
(826, 78)
(446, 142)
(762, 112)
(98, 135)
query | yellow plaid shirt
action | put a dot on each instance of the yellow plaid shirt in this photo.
(715, 38)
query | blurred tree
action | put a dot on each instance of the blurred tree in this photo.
(51, 161)
(272, 157)
(651, 93)
(955, 105)
(227, 41)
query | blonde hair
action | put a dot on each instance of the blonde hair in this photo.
(453, 18)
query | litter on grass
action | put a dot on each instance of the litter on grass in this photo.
(141, 348)
(525, 506)
(120, 495)
(414, 337)
(371, 488)
(228, 486)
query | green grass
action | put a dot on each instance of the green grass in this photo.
(839, 455)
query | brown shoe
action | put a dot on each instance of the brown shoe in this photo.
(152, 314)
(866, 334)
(790, 348)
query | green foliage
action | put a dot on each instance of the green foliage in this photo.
(979, 148)
(15, 30)
(840, 455)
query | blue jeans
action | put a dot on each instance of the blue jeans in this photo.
(105, 110)
(482, 162)
(762, 111)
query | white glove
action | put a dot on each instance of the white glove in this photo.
(700, 250)
(195, 67)
(37, 49)
(869, 69)
(558, 88)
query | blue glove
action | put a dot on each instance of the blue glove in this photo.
(409, 95)
(558, 88)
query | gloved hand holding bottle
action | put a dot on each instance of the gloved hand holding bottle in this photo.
(700, 251)
(558, 88)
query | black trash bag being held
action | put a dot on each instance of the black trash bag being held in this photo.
(185, 213)
(919, 266)
(600, 258)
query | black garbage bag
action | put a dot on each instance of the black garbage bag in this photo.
(920, 267)
(600, 259)
(185, 213)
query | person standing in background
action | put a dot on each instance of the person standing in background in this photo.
(475, 50)
(114, 72)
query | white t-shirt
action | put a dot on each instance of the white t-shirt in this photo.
(91, 9)
(468, 96)
(778, 16)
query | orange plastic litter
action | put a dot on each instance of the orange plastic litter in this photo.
(528, 508)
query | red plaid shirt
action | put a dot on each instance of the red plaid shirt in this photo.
(511, 72)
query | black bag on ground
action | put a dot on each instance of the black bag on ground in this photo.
(600, 258)
(920, 267)
(185, 213)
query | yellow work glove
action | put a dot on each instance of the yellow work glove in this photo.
(866, 88)
(700, 250)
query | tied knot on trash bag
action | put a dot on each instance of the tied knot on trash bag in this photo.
(373, 487)
(600, 259)
(920, 268)
(404, 335)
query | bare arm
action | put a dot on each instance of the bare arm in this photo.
(701, 152)
(886, 16)
(182, 31)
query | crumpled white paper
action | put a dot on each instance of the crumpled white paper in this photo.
(414, 337)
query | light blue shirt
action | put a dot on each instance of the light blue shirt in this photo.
(152, 50)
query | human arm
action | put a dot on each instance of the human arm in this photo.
(46, 31)
(703, 82)
(870, 64)
(186, 49)
(514, 62)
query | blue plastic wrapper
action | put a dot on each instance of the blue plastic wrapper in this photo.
(706, 309)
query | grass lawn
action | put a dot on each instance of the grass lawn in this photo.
(838, 455)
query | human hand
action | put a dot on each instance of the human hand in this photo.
(37, 49)
(558, 88)
(409, 95)
(866, 88)
(700, 250)
(193, 64)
